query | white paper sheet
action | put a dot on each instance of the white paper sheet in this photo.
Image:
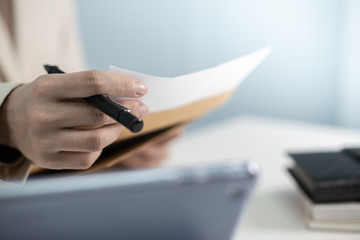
(168, 93)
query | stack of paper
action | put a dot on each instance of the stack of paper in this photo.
(187, 97)
(332, 216)
(329, 184)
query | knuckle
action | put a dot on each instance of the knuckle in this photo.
(95, 142)
(87, 161)
(39, 143)
(95, 80)
(114, 134)
(98, 116)
(40, 157)
(128, 85)
(43, 163)
(40, 119)
(40, 86)
(48, 162)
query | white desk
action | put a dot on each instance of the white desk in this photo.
(275, 210)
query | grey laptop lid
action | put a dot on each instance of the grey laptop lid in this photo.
(167, 203)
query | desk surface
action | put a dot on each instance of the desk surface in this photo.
(275, 210)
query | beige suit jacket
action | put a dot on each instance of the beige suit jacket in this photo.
(45, 33)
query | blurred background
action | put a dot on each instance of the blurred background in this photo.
(313, 73)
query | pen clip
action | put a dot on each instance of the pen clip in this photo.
(120, 105)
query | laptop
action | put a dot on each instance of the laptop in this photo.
(190, 202)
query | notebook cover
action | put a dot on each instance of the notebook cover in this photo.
(327, 176)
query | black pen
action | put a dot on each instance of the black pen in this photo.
(110, 107)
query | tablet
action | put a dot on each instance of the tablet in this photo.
(193, 202)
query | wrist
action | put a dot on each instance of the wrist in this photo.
(6, 118)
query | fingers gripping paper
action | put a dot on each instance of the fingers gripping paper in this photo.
(184, 98)
(175, 101)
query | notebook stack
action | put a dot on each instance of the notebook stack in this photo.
(329, 183)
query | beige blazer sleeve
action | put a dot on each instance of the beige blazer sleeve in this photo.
(5, 89)
(46, 33)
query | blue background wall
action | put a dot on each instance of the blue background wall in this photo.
(306, 77)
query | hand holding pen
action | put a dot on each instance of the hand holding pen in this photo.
(109, 106)
(42, 117)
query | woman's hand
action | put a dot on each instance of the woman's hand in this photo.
(153, 154)
(42, 118)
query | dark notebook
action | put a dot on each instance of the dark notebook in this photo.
(328, 176)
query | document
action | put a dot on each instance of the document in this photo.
(170, 93)
(176, 101)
